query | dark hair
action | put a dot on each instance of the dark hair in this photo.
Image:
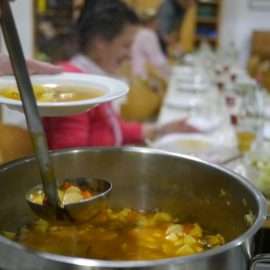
(103, 18)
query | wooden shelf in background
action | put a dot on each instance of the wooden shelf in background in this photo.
(56, 13)
(207, 20)
(210, 39)
(212, 2)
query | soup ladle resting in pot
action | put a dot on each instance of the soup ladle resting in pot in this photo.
(51, 207)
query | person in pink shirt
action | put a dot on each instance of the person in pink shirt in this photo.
(146, 48)
(106, 31)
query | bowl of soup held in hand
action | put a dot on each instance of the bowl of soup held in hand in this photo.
(64, 94)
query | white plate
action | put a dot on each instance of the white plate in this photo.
(183, 71)
(206, 124)
(184, 101)
(192, 87)
(196, 145)
(112, 89)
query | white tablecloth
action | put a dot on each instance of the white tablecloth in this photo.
(223, 133)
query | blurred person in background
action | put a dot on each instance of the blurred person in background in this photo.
(106, 32)
(170, 17)
(45, 33)
(146, 48)
(54, 42)
(63, 46)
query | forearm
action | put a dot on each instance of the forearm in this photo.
(34, 67)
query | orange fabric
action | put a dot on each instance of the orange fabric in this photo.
(15, 143)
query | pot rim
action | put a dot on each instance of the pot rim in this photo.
(261, 217)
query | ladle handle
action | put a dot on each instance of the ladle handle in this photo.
(29, 103)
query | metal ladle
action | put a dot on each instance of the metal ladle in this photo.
(52, 210)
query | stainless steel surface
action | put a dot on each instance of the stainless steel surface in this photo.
(74, 211)
(29, 103)
(260, 262)
(144, 179)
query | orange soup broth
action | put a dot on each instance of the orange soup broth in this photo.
(121, 235)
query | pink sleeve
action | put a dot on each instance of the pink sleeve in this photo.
(153, 50)
(66, 132)
(68, 67)
(132, 132)
(146, 49)
(138, 58)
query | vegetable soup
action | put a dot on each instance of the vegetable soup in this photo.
(55, 93)
(125, 234)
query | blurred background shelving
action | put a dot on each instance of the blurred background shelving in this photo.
(141, 5)
(52, 31)
(201, 23)
(53, 19)
(208, 21)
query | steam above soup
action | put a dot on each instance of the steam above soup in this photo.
(55, 93)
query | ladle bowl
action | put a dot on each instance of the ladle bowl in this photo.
(78, 211)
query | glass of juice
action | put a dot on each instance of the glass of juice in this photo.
(247, 129)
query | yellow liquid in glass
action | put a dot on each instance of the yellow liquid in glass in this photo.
(245, 140)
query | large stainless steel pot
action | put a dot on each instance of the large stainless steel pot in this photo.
(143, 179)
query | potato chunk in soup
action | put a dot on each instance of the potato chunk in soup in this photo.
(121, 235)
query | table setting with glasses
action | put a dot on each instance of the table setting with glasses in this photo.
(215, 95)
(230, 110)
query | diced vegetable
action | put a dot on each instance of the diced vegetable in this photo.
(121, 235)
(68, 193)
(86, 194)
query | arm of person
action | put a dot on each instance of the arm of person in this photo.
(34, 67)
(134, 132)
(154, 131)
